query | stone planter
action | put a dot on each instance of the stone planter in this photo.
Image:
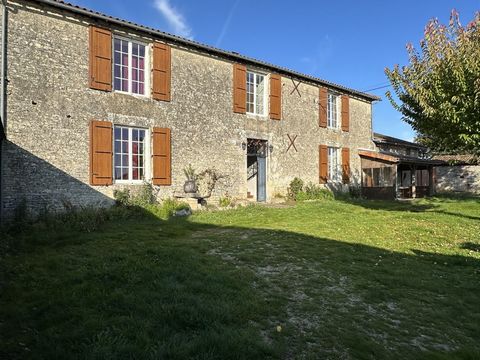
(190, 187)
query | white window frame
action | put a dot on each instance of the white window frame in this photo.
(146, 155)
(334, 123)
(265, 90)
(147, 69)
(334, 168)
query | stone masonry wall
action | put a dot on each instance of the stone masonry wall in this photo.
(458, 178)
(50, 106)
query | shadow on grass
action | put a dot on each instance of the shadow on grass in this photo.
(415, 205)
(470, 246)
(142, 287)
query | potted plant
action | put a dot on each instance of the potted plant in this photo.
(190, 185)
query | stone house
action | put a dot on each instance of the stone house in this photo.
(94, 103)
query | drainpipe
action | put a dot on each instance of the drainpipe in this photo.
(2, 97)
(3, 64)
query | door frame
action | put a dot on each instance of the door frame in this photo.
(265, 144)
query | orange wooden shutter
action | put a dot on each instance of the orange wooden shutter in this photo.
(239, 88)
(322, 98)
(161, 72)
(345, 113)
(346, 165)
(101, 153)
(100, 59)
(162, 158)
(323, 163)
(275, 97)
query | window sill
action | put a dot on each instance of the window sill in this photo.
(256, 116)
(128, 182)
(138, 96)
(336, 129)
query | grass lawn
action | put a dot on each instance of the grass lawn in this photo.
(328, 279)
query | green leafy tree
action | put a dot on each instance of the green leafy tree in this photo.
(439, 90)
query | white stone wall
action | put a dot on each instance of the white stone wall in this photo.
(458, 178)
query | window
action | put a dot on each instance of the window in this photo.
(422, 178)
(334, 167)
(377, 177)
(130, 153)
(332, 110)
(255, 93)
(367, 178)
(129, 65)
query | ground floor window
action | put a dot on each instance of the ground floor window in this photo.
(129, 153)
(377, 177)
(334, 165)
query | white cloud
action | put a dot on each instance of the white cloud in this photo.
(175, 19)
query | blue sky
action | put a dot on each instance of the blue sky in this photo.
(347, 42)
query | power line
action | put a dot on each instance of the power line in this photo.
(378, 88)
(380, 84)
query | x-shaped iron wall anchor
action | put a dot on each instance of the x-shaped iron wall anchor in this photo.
(295, 88)
(292, 142)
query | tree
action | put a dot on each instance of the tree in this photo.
(439, 90)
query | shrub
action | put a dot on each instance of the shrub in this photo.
(225, 201)
(142, 197)
(169, 206)
(122, 197)
(296, 186)
(314, 192)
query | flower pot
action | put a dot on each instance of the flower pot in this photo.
(190, 187)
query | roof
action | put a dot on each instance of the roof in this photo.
(385, 139)
(395, 158)
(202, 47)
(465, 159)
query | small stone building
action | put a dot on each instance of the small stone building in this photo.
(94, 103)
(458, 173)
(397, 169)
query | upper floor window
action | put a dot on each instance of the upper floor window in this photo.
(255, 93)
(130, 149)
(129, 66)
(334, 166)
(332, 110)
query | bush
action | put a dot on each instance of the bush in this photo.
(143, 197)
(122, 197)
(314, 192)
(82, 219)
(225, 201)
(168, 207)
(296, 186)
